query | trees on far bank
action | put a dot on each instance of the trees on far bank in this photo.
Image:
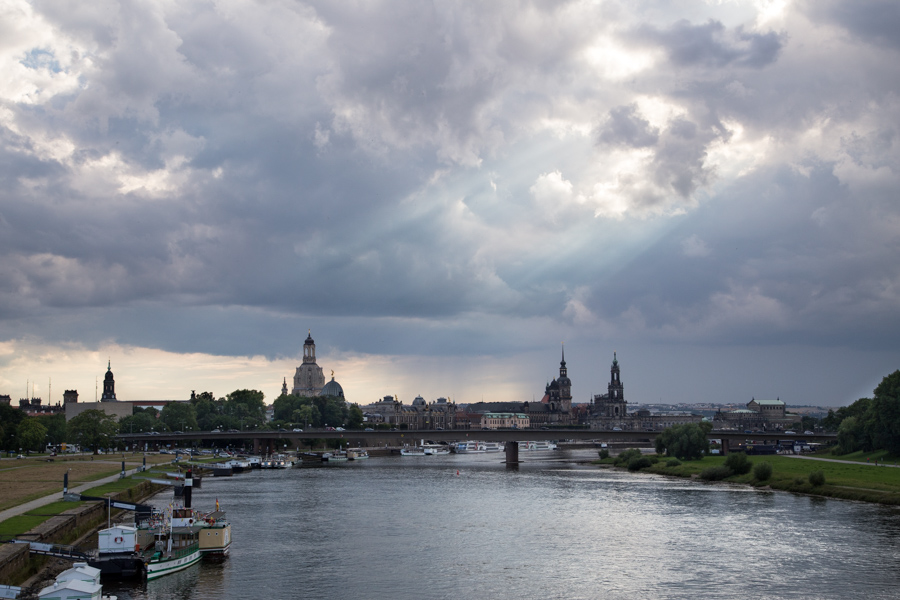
(870, 423)
(93, 429)
(687, 441)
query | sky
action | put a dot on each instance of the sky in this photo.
(448, 194)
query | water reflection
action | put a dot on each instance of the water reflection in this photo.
(464, 526)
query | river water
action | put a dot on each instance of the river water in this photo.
(467, 527)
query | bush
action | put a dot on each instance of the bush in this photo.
(687, 441)
(604, 453)
(715, 473)
(762, 471)
(641, 462)
(739, 463)
(626, 456)
(817, 478)
(673, 462)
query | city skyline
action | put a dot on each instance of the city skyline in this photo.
(444, 194)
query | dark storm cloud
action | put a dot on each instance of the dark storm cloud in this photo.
(876, 21)
(431, 178)
(626, 126)
(713, 45)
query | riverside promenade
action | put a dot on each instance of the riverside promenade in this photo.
(57, 496)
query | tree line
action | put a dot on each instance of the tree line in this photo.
(869, 423)
(241, 410)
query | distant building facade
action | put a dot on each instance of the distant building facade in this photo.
(308, 378)
(760, 415)
(108, 403)
(554, 408)
(440, 414)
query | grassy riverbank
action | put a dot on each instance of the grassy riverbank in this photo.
(861, 481)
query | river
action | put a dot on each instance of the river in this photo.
(467, 527)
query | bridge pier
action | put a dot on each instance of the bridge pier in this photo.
(724, 448)
(512, 455)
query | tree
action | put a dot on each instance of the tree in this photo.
(354, 417)
(138, 422)
(687, 441)
(56, 428)
(93, 429)
(31, 434)
(248, 405)
(179, 416)
(882, 422)
(9, 419)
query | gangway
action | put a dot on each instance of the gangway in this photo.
(56, 550)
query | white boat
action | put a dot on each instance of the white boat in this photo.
(412, 451)
(336, 456)
(357, 454)
(435, 449)
(176, 544)
(536, 446)
(469, 447)
(494, 446)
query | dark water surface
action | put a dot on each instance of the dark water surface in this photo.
(411, 528)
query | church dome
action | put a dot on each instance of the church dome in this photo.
(554, 385)
(419, 401)
(332, 388)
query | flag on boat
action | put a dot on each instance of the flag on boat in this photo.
(217, 504)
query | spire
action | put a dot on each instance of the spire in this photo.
(109, 365)
(563, 361)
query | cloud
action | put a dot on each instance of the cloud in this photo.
(448, 180)
(713, 45)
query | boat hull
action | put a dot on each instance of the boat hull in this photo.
(159, 567)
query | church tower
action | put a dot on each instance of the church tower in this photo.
(565, 385)
(309, 378)
(109, 385)
(284, 389)
(616, 392)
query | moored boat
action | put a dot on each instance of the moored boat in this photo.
(176, 544)
(536, 446)
(435, 449)
(357, 454)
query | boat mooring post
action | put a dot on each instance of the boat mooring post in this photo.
(188, 486)
(512, 455)
(122, 476)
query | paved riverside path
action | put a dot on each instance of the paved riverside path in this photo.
(836, 460)
(57, 496)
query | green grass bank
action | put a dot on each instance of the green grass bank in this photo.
(863, 481)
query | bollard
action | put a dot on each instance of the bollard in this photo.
(512, 455)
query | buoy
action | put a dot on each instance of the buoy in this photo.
(457, 472)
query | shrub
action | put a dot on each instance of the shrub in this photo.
(739, 463)
(673, 462)
(604, 453)
(817, 478)
(715, 473)
(762, 471)
(641, 462)
(625, 456)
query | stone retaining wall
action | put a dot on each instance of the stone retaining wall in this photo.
(13, 557)
(54, 530)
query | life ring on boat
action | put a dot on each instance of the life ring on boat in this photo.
(119, 540)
